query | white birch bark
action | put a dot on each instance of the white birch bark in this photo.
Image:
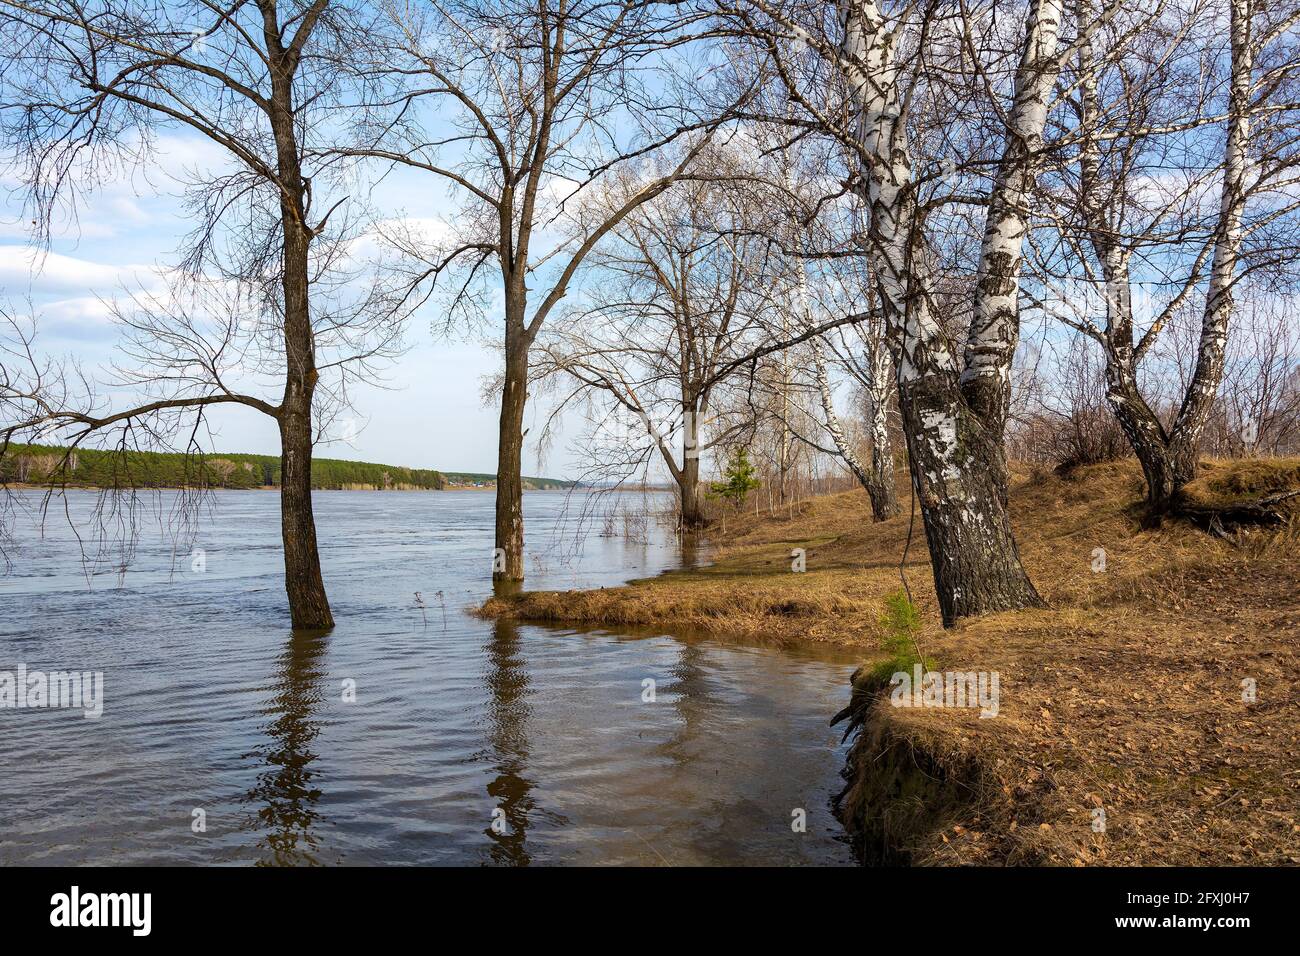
(995, 326)
(955, 462)
(1229, 233)
(1168, 456)
(872, 73)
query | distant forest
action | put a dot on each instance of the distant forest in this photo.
(95, 468)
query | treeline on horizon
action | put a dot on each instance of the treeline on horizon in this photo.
(101, 468)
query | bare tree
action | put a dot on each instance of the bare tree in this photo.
(1261, 379)
(86, 90)
(677, 293)
(524, 110)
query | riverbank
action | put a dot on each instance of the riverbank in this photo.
(1126, 732)
(45, 465)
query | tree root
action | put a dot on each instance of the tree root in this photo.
(1222, 520)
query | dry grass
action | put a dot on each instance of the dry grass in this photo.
(1125, 695)
(749, 589)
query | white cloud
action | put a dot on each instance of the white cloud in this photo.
(29, 270)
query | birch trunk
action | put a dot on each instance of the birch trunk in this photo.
(953, 456)
(994, 331)
(882, 451)
(878, 483)
(995, 327)
(1168, 456)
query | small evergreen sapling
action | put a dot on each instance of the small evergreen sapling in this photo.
(739, 479)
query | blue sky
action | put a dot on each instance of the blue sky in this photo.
(430, 415)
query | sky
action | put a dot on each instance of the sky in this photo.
(429, 414)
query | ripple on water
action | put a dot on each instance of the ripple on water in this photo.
(212, 704)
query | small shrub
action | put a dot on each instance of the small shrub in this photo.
(900, 623)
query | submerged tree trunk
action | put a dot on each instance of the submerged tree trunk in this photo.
(508, 563)
(688, 476)
(308, 604)
(689, 486)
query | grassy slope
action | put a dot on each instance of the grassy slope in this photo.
(1125, 695)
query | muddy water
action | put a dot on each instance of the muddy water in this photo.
(226, 738)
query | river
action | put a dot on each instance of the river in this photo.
(409, 734)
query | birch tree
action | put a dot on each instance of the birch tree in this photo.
(864, 355)
(1223, 116)
(953, 406)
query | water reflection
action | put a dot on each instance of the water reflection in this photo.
(694, 704)
(503, 589)
(285, 792)
(510, 790)
(693, 551)
(544, 725)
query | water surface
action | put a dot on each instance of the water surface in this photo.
(469, 741)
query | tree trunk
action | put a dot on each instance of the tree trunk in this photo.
(510, 487)
(1146, 435)
(954, 458)
(689, 485)
(976, 563)
(308, 605)
(884, 499)
(995, 328)
(878, 482)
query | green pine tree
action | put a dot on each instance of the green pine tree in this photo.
(739, 479)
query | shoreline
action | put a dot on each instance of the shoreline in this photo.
(1123, 735)
(28, 486)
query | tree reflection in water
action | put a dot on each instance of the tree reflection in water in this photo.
(285, 791)
(508, 711)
